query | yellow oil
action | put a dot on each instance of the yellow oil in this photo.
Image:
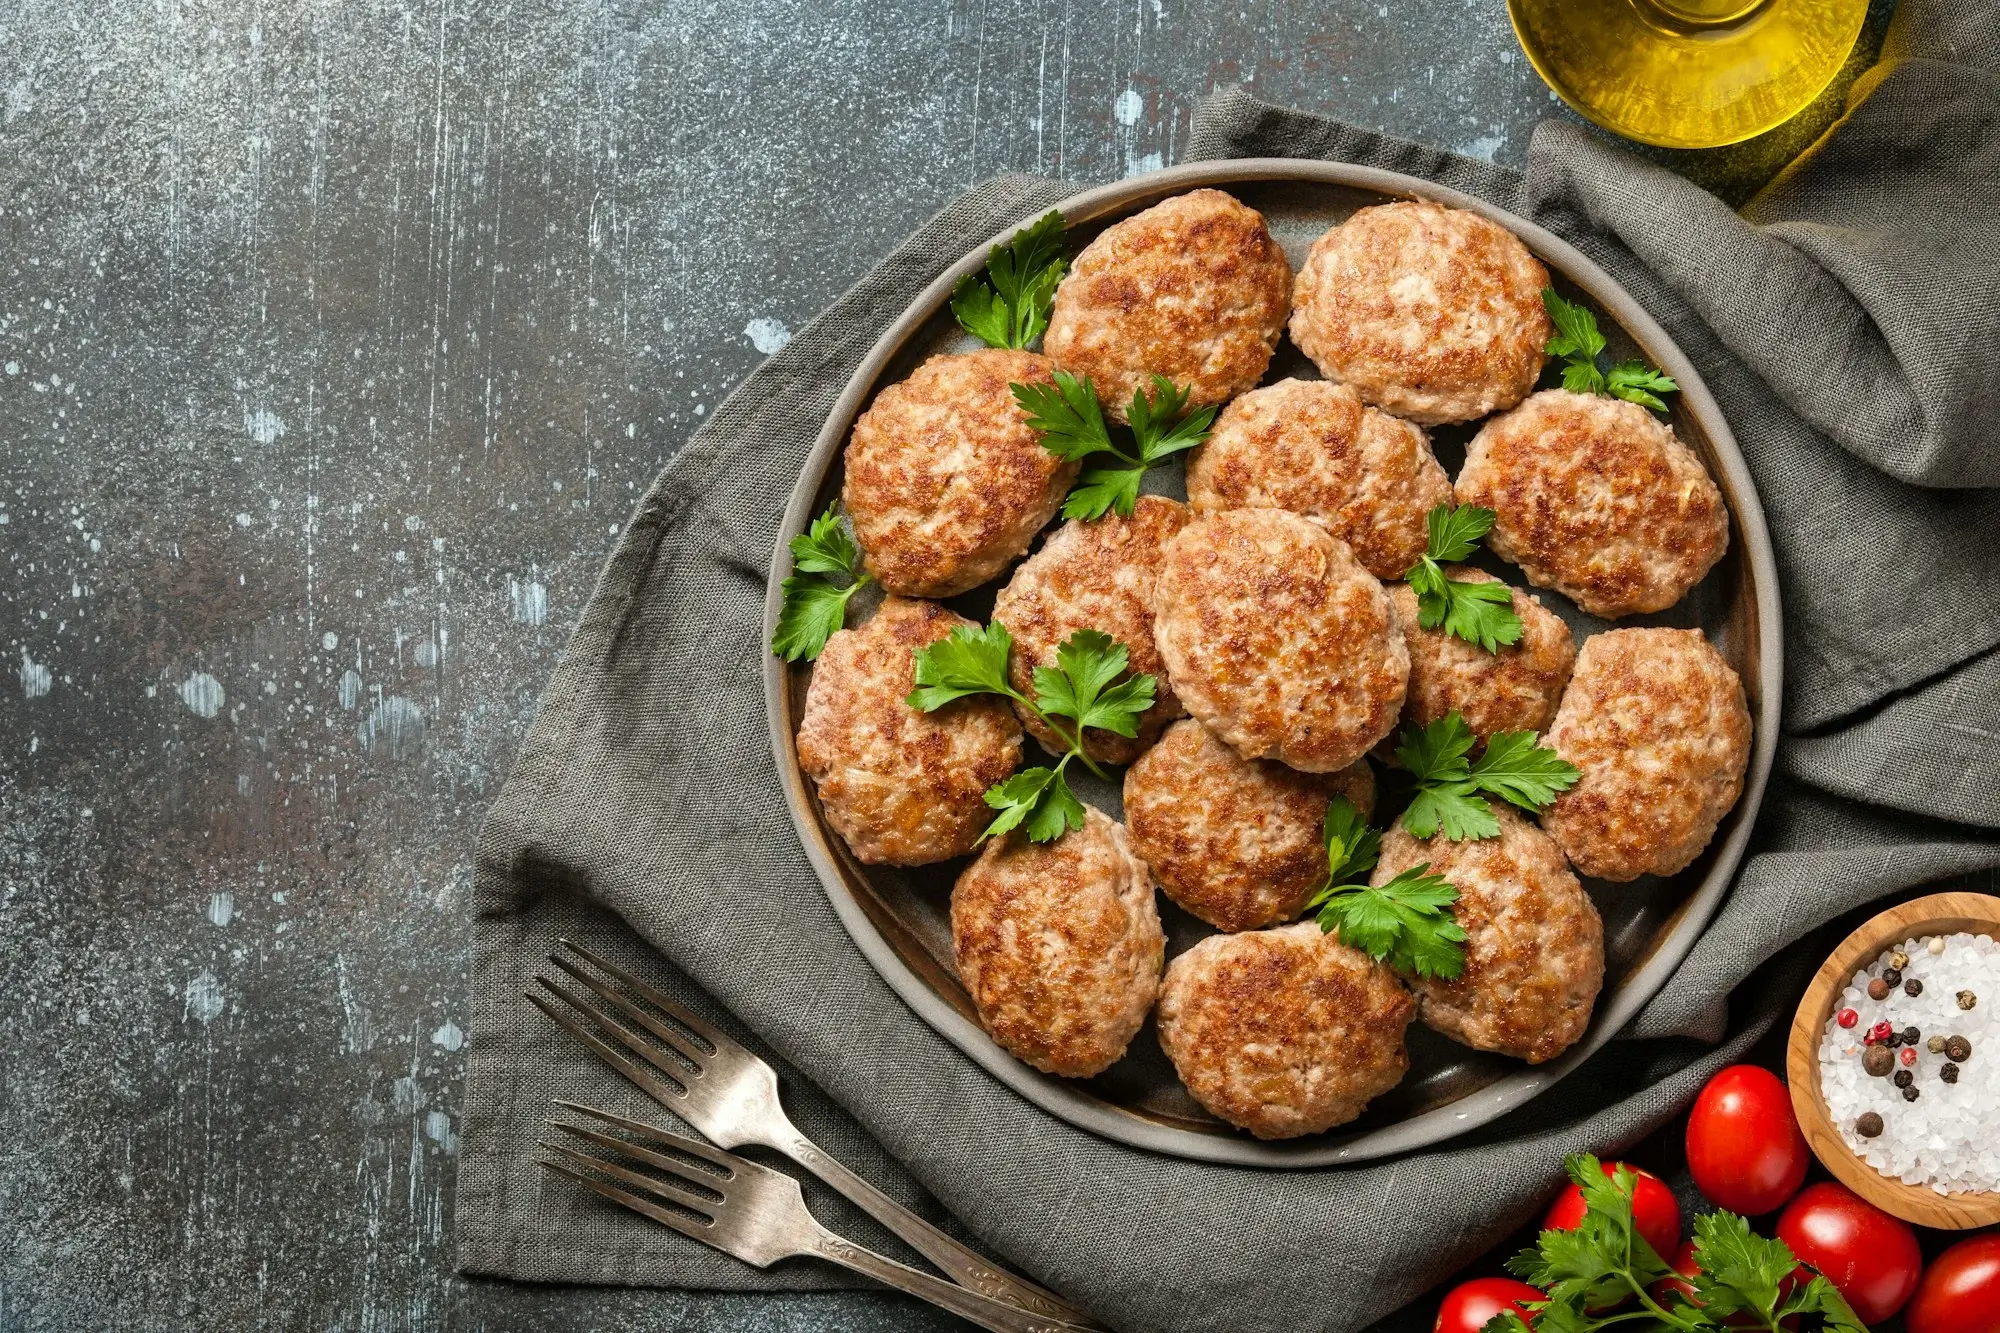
(1688, 73)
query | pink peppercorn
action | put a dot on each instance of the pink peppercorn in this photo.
(1908, 1055)
(1847, 1018)
(1879, 1033)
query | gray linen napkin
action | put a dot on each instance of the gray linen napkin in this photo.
(1846, 323)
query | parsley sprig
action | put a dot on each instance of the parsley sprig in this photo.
(1072, 426)
(1449, 781)
(1481, 613)
(1083, 687)
(1741, 1278)
(816, 597)
(1008, 305)
(1579, 343)
(1407, 921)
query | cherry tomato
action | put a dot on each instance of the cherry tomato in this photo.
(1469, 1305)
(1743, 1143)
(1960, 1292)
(1653, 1209)
(1871, 1256)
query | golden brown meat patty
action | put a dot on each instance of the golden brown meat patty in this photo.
(946, 483)
(1194, 288)
(1598, 500)
(902, 787)
(1097, 575)
(1534, 948)
(1284, 1032)
(1515, 689)
(1235, 841)
(1278, 640)
(1656, 720)
(1310, 446)
(1059, 945)
(1433, 313)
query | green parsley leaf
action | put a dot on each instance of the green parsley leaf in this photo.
(1068, 417)
(1455, 530)
(969, 660)
(1039, 801)
(1517, 770)
(1438, 753)
(1578, 341)
(1080, 688)
(1352, 848)
(1008, 306)
(1454, 808)
(815, 603)
(1481, 613)
(1822, 1298)
(1637, 382)
(1102, 489)
(1740, 1271)
(1407, 921)
(1161, 423)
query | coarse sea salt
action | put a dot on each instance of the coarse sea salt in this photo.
(1949, 1138)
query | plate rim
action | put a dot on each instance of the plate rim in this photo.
(1064, 1100)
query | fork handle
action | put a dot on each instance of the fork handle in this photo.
(971, 1269)
(988, 1313)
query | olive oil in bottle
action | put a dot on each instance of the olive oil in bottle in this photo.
(1688, 73)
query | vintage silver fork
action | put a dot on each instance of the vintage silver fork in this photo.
(719, 1086)
(752, 1212)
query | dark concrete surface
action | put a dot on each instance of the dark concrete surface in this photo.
(336, 339)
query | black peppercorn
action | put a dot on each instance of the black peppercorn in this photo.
(1958, 1048)
(1894, 976)
(1893, 1040)
(1904, 1078)
(1949, 1073)
(1877, 1060)
(1911, 1036)
(1909, 1094)
(1913, 987)
(1869, 1125)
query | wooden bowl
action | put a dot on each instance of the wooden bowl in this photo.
(1938, 914)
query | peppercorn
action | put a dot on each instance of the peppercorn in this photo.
(1907, 1055)
(1847, 1018)
(1893, 977)
(1966, 999)
(1958, 1048)
(1880, 1032)
(1913, 987)
(1935, 944)
(1878, 989)
(1904, 1078)
(1899, 959)
(1877, 1060)
(1911, 1036)
(1893, 1040)
(1869, 1125)
(1936, 1045)
(1949, 1073)
(1909, 1094)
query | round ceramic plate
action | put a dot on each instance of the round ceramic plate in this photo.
(899, 918)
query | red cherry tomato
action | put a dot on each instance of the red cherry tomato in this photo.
(1960, 1292)
(1871, 1256)
(1469, 1305)
(1653, 1209)
(1743, 1143)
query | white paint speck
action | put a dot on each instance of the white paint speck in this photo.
(350, 689)
(528, 602)
(13, 367)
(329, 641)
(1482, 148)
(243, 520)
(203, 694)
(449, 1036)
(221, 908)
(426, 654)
(394, 727)
(437, 1128)
(767, 335)
(35, 678)
(1128, 107)
(263, 425)
(202, 1000)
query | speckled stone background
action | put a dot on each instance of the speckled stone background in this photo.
(336, 338)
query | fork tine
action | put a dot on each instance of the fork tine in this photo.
(688, 1050)
(680, 1013)
(669, 1095)
(698, 1179)
(673, 1191)
(727, 1161)
(666, 1217)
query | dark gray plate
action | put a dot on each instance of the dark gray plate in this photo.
(899, 917)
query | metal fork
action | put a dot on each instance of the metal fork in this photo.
(752, 1212)
(725, 1091)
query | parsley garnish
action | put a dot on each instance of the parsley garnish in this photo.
(815, 602)
(1082, 687)
(1604, 1262)
(1407, 921)
(1449, 783)
(1008, 306)
(1072, 426)
(1578, 342)
(1481, 613)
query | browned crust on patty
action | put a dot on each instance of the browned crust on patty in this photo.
(900, 787)
(1515, 689)
(946, 482)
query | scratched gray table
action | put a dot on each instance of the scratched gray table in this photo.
(335, 342)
